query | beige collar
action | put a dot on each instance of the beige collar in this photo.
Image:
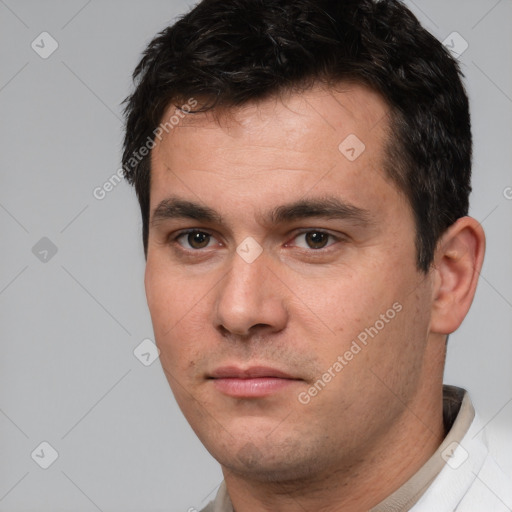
(458, 413)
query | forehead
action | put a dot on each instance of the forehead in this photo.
(320, 135)
(318, 109)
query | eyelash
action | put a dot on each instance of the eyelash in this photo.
(175, 239)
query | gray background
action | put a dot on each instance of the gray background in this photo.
(70, 324)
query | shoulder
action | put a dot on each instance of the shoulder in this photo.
(491, 489)
(470, 481)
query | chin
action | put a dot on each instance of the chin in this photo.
(265, 458)
(267, 470)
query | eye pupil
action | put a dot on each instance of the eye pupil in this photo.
(198, 240)
(316, 239)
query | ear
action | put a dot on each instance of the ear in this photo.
(457, 263)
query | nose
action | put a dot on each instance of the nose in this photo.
(250, 299)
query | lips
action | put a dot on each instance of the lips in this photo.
(253, 382)
(232, 372)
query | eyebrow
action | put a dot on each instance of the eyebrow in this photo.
(328, 208)
(175, 208)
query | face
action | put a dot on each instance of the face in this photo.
(281, 280)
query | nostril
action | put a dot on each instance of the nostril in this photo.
(241, 334)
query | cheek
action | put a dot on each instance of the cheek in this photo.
(178, 310)
(169, 295)
(372, 307)
(343, 303)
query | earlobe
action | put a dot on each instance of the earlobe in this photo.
(457, 263)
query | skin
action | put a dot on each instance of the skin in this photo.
(298, 308)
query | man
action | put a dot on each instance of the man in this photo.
(303, 172)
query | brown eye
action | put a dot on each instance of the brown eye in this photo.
(198, 239)
(316, 239)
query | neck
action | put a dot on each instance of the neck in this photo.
(359, 483)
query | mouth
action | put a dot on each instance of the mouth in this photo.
(253, 382)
